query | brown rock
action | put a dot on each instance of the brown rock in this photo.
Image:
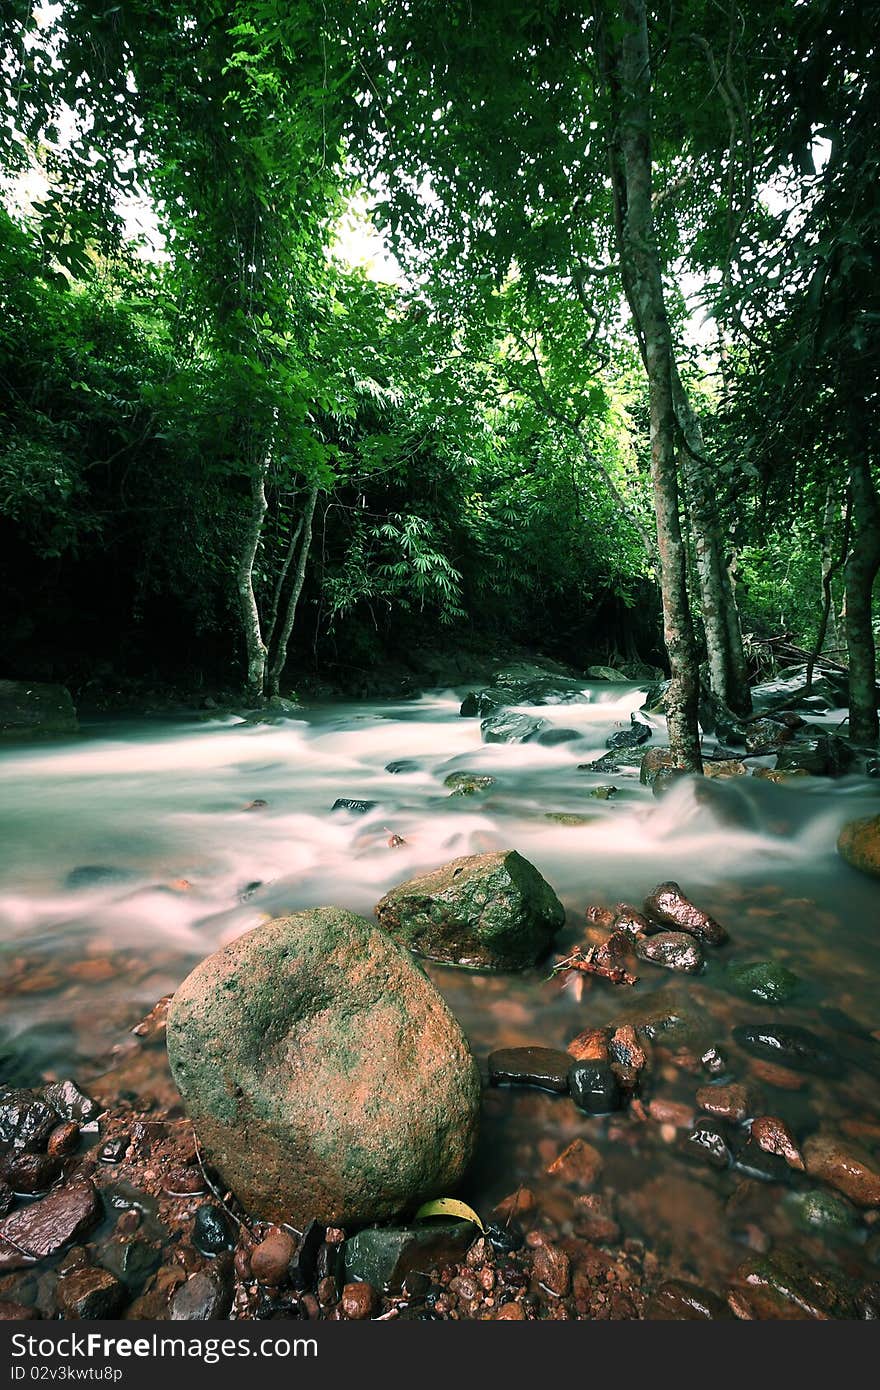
(595, 1220)
(359, 1301)
(841, 1164)
(324, 1073)
(774, 1136)
(671, 1112)
(627, 1049)
(63, 1139)
(90, 1293)
(270, 1259)
(579, 1163)
(590, 1046)
(48, 1225)
(733, 1102)
(776, 1075)
(551, 1269)
(530, 1066)
(859, 844)
(510, 1312)
(30, 1173)
(669, 904)
(519, 1203)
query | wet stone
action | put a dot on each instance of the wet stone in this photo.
(793, 1047)
(842, 1164)
(30, 1173)
(708, 1142)
(676, 1301)
(753, 1161)
(766, 736)
(669, 905)
(213, 1230)
(71, 1103)
(384, 1256)
(132, 1260)
(402, 765)
(774, 1136)
(90, 1293)
(530, 1066)
(786, 1286)
(551, 1270)
(64, 1139)
(468, 783)
(270, 1259)
(204, 1297)
(763, 980)
(714, 1061)
(506, 1238)
(638, 733)
(672, 950)
(26, 1120)
(48, 1225)
(734, 1102)
(114, 1150)
(823, 1211)
(353, 805)
(509, 727)
(359, 1301)
(594, 1087)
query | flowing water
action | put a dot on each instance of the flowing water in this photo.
(130, 853)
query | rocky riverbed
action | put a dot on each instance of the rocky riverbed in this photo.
(680, 1104)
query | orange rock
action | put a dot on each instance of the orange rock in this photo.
(579, 1163)
(775, 1075)
(519, 1203)
(671, 1112)
(774, 1136)
(590, 1046)
(510, 1312)
(844, 1166)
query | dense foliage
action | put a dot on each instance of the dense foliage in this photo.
(233, 456)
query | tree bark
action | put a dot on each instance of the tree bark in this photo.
(255, 647)
(626, 60)
(728, 674)
(280, 658)
(830, 566)
(861, 570)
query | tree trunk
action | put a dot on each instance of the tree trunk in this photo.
(280, 657)
(727, 665)
(255, 647)
(861, 570)
(830, 566)
(628, 68)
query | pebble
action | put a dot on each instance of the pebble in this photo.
(184, 1182)
(26, 1120)
(90, 1293)
(63, 1139)
(114, 1150)
(589, 1046)
(510, 1312)
(594, 1218)
(670, 905)
(676, 1301)
(734, 1102)
(551, 1268)
(626, 1048)
(708, 1141)
(203, 1298)
(594, 1087)
(714, 1061)
(359, 1301)
(671, 1112)
(213, 1230)
(30, 1173)
(579, 1163)
(672, 950)
(71, 1103)
(843, 1165)
(530, 1066)
(773, 1135)
(794, 1047)
(271, 1258)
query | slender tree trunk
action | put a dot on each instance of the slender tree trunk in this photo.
(628, 66)
(830, 566)
(862, 566)
(728, 675)
(280, 658)
(272, 616)
(255, 647)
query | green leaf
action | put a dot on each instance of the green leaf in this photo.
(448, 1206)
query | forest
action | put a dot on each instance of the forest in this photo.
(363, 363)
(611, 377)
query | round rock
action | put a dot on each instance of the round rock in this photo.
(324, 1073)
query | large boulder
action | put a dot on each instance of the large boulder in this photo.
(859, 844)
(509, 726)
(31, 710)
(486, 911)
(323, 1072)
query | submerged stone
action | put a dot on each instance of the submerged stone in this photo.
(384, 1256)
(594, 1087)
(491, 911)
(530, 1066)
(793, 1047)
(668, 904)
(671, 949)
(764, 980)
(508, 726)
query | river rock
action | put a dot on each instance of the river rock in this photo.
(491, 911)
(673, 950)
(481, 703)
(816, 754)
(774, 1136)
(709, 1141)
(764, 980)
(677, 1301)
(668, 904)
(26, 1120)
(843, 1165)
(530, 1066)
(793, 1047)
(724, 767)
(71, 1103)
(47, 1226)
(90, 1293)
(766, 736)
(324, 1073)
(654, 762)
(859, 844)
(384, 1256)
(594, 1087)
(734, 1102)
(205, 1297)
(29, 709)
(467, 783)
(607, 673)
(509, 726)
(823, 1211)
(638, 733)
(788, 1287)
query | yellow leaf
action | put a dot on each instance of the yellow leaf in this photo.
(448, 1206)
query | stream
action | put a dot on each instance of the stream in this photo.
(130, 853)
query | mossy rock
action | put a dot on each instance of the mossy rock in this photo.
(859, 844)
